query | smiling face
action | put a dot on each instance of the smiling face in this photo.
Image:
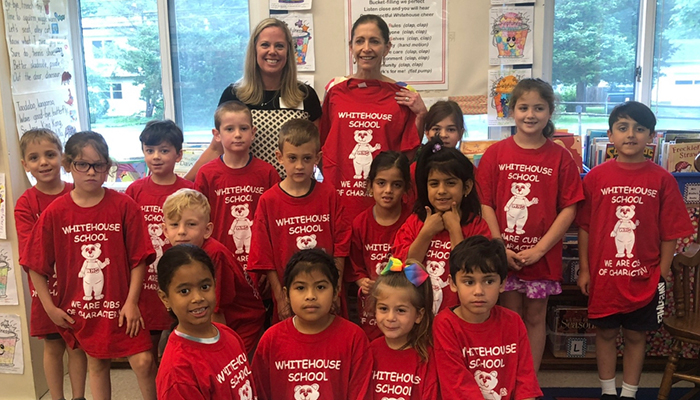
(396, 316)
(388, 188)
(531, 114)
(368, 47)
(161, 158)
(630, 138)
(192, 227)
(192, 297)
(298, 161)
(444, 189)
(478, 293)
(271, 51)
(311, 296)
(42, 159)
(236, 132)
(447, 131)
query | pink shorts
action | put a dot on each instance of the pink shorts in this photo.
(532, 289)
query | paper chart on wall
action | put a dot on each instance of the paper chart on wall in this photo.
(302, 27)
(41, 65)
(418, 33)
(503, 2)
(8, 282)
(11, 358)
(509, 35)
(290, 4)
(306, 78)
(3, 208)
(501, 84)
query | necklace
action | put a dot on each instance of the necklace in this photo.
(274, 96)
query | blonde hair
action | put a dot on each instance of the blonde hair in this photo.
(249, 89)
(37, 135)
(185, 199)
(299, 131)
(230, 107)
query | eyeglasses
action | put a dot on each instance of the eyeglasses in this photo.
(82, 166)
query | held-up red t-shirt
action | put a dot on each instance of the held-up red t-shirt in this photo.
(208, 371)
(437, 258)
(237, 298)
(630, 209)
(370, 246)
(94, 250)
(402, 373)
(527, 188)
(150, 197)
(233, 195)
(27, 212)
(360, 119)
(334, 364)
(487, 360)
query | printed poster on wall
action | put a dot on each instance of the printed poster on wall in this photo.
(3, 208)
(8, 283)
(11, 358)
(510, 35)
(41, 65)
(501, 84)
(290, 4)
(418, 33)
(302, 27)
(503, 2)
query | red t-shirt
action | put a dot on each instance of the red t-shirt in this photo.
(27, 212)
(334, 364)
(370, 246)
(233, 195)
(629, 210)
(402, 373)
(437, 258)
(237, 298)
(150, 197)
(361, 119)
(209, 371)
(94, 250)
(489, 360)
(527, 188)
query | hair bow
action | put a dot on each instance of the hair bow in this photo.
(415, 274)
(437, 148)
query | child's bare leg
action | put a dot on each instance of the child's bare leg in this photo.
(633, 356)
(53, 366)
(512, 300)
(144, 367)
(100, 383)
(606, 352)
(534, 317)
(77, 369)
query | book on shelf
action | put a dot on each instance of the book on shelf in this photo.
(474, 149)
(589, 140)
(611, 152)
(680, 157)
(572, 143)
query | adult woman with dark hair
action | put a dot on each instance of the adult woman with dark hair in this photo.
(365, 113)
(270, 89)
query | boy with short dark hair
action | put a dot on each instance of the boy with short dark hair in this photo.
(41, 152)
(187, 219)
(626, 246)
(298, 213)
(482, 349)
(161, 143)
(234, 182)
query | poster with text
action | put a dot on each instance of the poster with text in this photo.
(418, 33)
(290, 4)
(501, 84)
(3, 208)
(11, 358)
(510, 35)
(302, 27)
(504, 2)
(8, 283)
(41, 65)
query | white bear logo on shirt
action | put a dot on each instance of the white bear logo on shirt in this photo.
(306, 242)
(245, 392)
(436, 269)
(91, 271)
(240, 228)
(487, 383)
(380, 266)
(361, 154)
(155, 231)
(306, 392)
(393, 398)
(623, 232)
(516, 208)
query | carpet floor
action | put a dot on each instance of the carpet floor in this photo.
(594, 393)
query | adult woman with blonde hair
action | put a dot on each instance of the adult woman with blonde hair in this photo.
(270, 89)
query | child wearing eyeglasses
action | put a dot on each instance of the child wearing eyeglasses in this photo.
(96, 240)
